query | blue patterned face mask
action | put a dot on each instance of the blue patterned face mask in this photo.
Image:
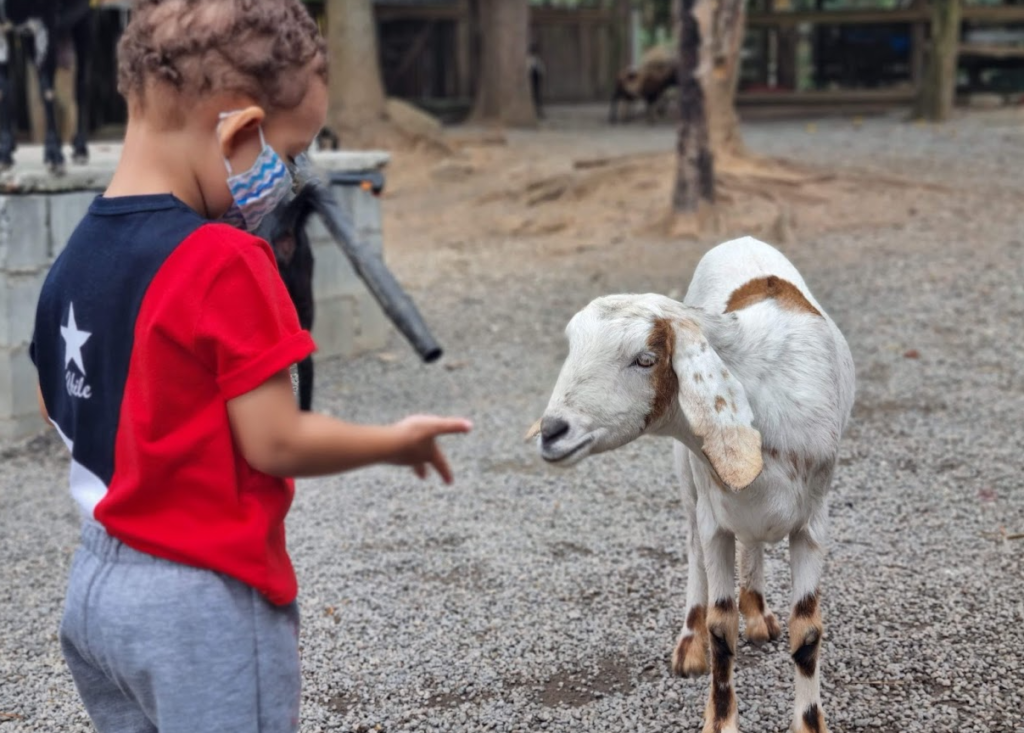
(259, 190)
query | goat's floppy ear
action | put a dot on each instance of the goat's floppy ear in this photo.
(716, 408)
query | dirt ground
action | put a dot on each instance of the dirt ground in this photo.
(577, 184)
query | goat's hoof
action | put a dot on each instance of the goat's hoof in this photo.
(690, 657)
(723, 726)
(812, 721)
(762, 628)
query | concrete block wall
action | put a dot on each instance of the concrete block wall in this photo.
(38, 213)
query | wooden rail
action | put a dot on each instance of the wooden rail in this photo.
(833, 97)
(991, 52)
(971, 13)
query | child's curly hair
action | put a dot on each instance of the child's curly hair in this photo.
(253, 47)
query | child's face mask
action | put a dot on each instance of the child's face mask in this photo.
(259, 190)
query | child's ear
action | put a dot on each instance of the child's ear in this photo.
(237, 128)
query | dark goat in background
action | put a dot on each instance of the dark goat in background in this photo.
(649, 81)
(46, 24)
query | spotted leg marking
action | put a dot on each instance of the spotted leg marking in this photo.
(723, 621)
(807, 557)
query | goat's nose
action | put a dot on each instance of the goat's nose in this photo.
(553, 428)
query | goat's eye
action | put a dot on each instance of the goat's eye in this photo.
(646, 361)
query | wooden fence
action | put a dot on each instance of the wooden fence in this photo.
(870, 77)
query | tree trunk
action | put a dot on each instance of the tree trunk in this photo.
(356, 89)
(503, 85)
(695, 169)
(937, 94)
(723, 23)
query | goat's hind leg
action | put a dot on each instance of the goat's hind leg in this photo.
(690, 657)
(761, 624)
(807, 558)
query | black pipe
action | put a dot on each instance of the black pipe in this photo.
(313, 194)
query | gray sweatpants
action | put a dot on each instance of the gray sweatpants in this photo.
(157, 646)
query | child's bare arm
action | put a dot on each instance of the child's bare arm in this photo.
(278, 439)
(42, 404)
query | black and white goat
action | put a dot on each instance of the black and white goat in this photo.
(756, 384)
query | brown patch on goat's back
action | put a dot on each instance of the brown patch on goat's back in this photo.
(662, 341)
(719, 403)
(783, 292)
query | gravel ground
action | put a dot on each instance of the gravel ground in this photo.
(523, 598)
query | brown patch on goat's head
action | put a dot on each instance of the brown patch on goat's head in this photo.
(783, 292)
(662, 342)
(719, 403)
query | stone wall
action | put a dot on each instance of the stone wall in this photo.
(39, 212)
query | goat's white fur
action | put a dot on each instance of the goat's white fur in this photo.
(788, 377)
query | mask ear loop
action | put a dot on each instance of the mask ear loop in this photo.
(220, 121)
(263, 149)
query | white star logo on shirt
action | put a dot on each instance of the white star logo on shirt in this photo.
(73, 341)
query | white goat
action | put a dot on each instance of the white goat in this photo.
(756, 383)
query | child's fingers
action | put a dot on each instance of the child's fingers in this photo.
(421, 470)
(446, 425)
(440, 463)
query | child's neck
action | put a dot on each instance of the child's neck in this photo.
(152, 162)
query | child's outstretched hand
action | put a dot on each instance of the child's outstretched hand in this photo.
(418, 443)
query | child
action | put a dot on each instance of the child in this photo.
(163, 341)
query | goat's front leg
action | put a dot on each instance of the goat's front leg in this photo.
(723, 623)
(690, 658)
(761, 624)
(807, 558)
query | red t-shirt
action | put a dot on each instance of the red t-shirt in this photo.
(149, 322)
